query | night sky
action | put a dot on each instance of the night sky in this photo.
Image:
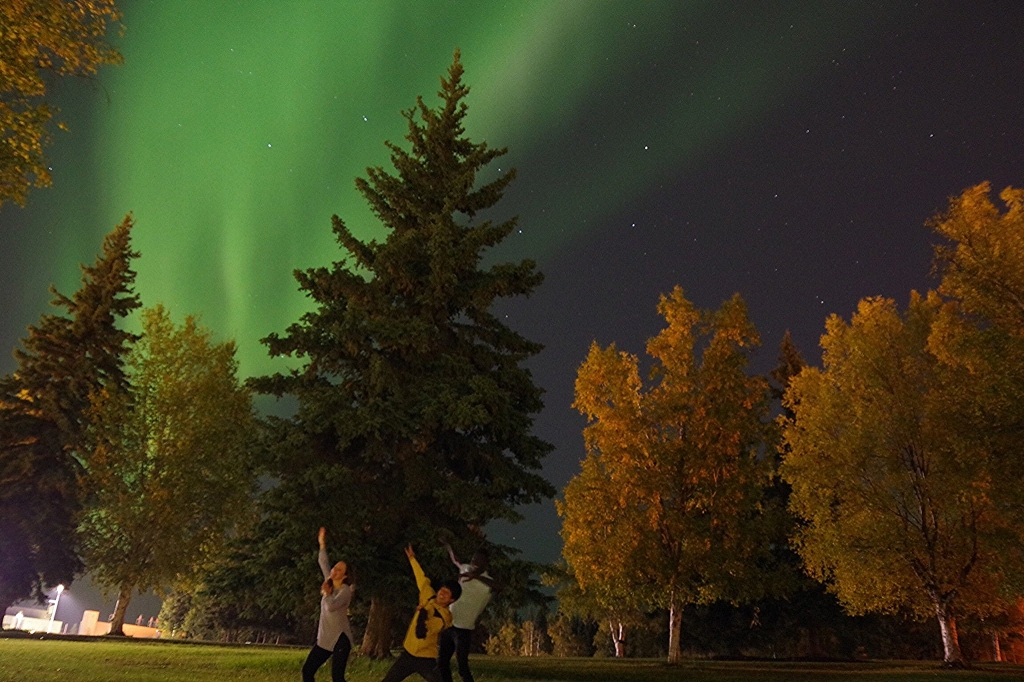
(788, 151)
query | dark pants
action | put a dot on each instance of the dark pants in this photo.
(407, 664)
(318, 656)
(457, 641)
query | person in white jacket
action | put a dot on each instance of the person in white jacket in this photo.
(333, 633)
(477, 589)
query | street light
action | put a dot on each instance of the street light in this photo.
(60, 588)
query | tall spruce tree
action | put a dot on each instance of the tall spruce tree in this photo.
(412, 390)
(63, 361)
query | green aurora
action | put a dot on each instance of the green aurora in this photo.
(235, 129)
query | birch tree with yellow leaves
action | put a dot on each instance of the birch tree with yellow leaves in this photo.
(171, 470)
(40, 40)
(982, 331)
(666, 510)
(893, 485)
(904, 446)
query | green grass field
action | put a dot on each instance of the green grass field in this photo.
(105, 660)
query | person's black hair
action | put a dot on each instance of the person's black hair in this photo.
(421, 624)
(454, 587)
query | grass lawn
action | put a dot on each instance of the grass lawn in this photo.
(104, 660)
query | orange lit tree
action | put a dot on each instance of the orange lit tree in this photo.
(982, 268)
(666, 510)
(904, 443)
(894, 487)
(40, 39)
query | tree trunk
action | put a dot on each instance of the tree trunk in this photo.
(997, 651)
(121, 608)
(380, 628)
(952, 657)
(618, 632)
(675, 630)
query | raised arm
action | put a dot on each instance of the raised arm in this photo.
(422, 581)
(325, 565)
(451, 553)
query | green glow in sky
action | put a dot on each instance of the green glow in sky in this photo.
(235, 129)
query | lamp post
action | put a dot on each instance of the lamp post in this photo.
(60, 588)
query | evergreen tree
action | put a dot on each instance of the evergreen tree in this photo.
(411, 388)
(804, 614)
(38, 503)
(790, 364)
(44, 424)
(65, 360)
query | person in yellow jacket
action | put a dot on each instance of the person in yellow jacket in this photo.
(419, 650)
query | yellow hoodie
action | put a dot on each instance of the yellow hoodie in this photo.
(429, 620)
